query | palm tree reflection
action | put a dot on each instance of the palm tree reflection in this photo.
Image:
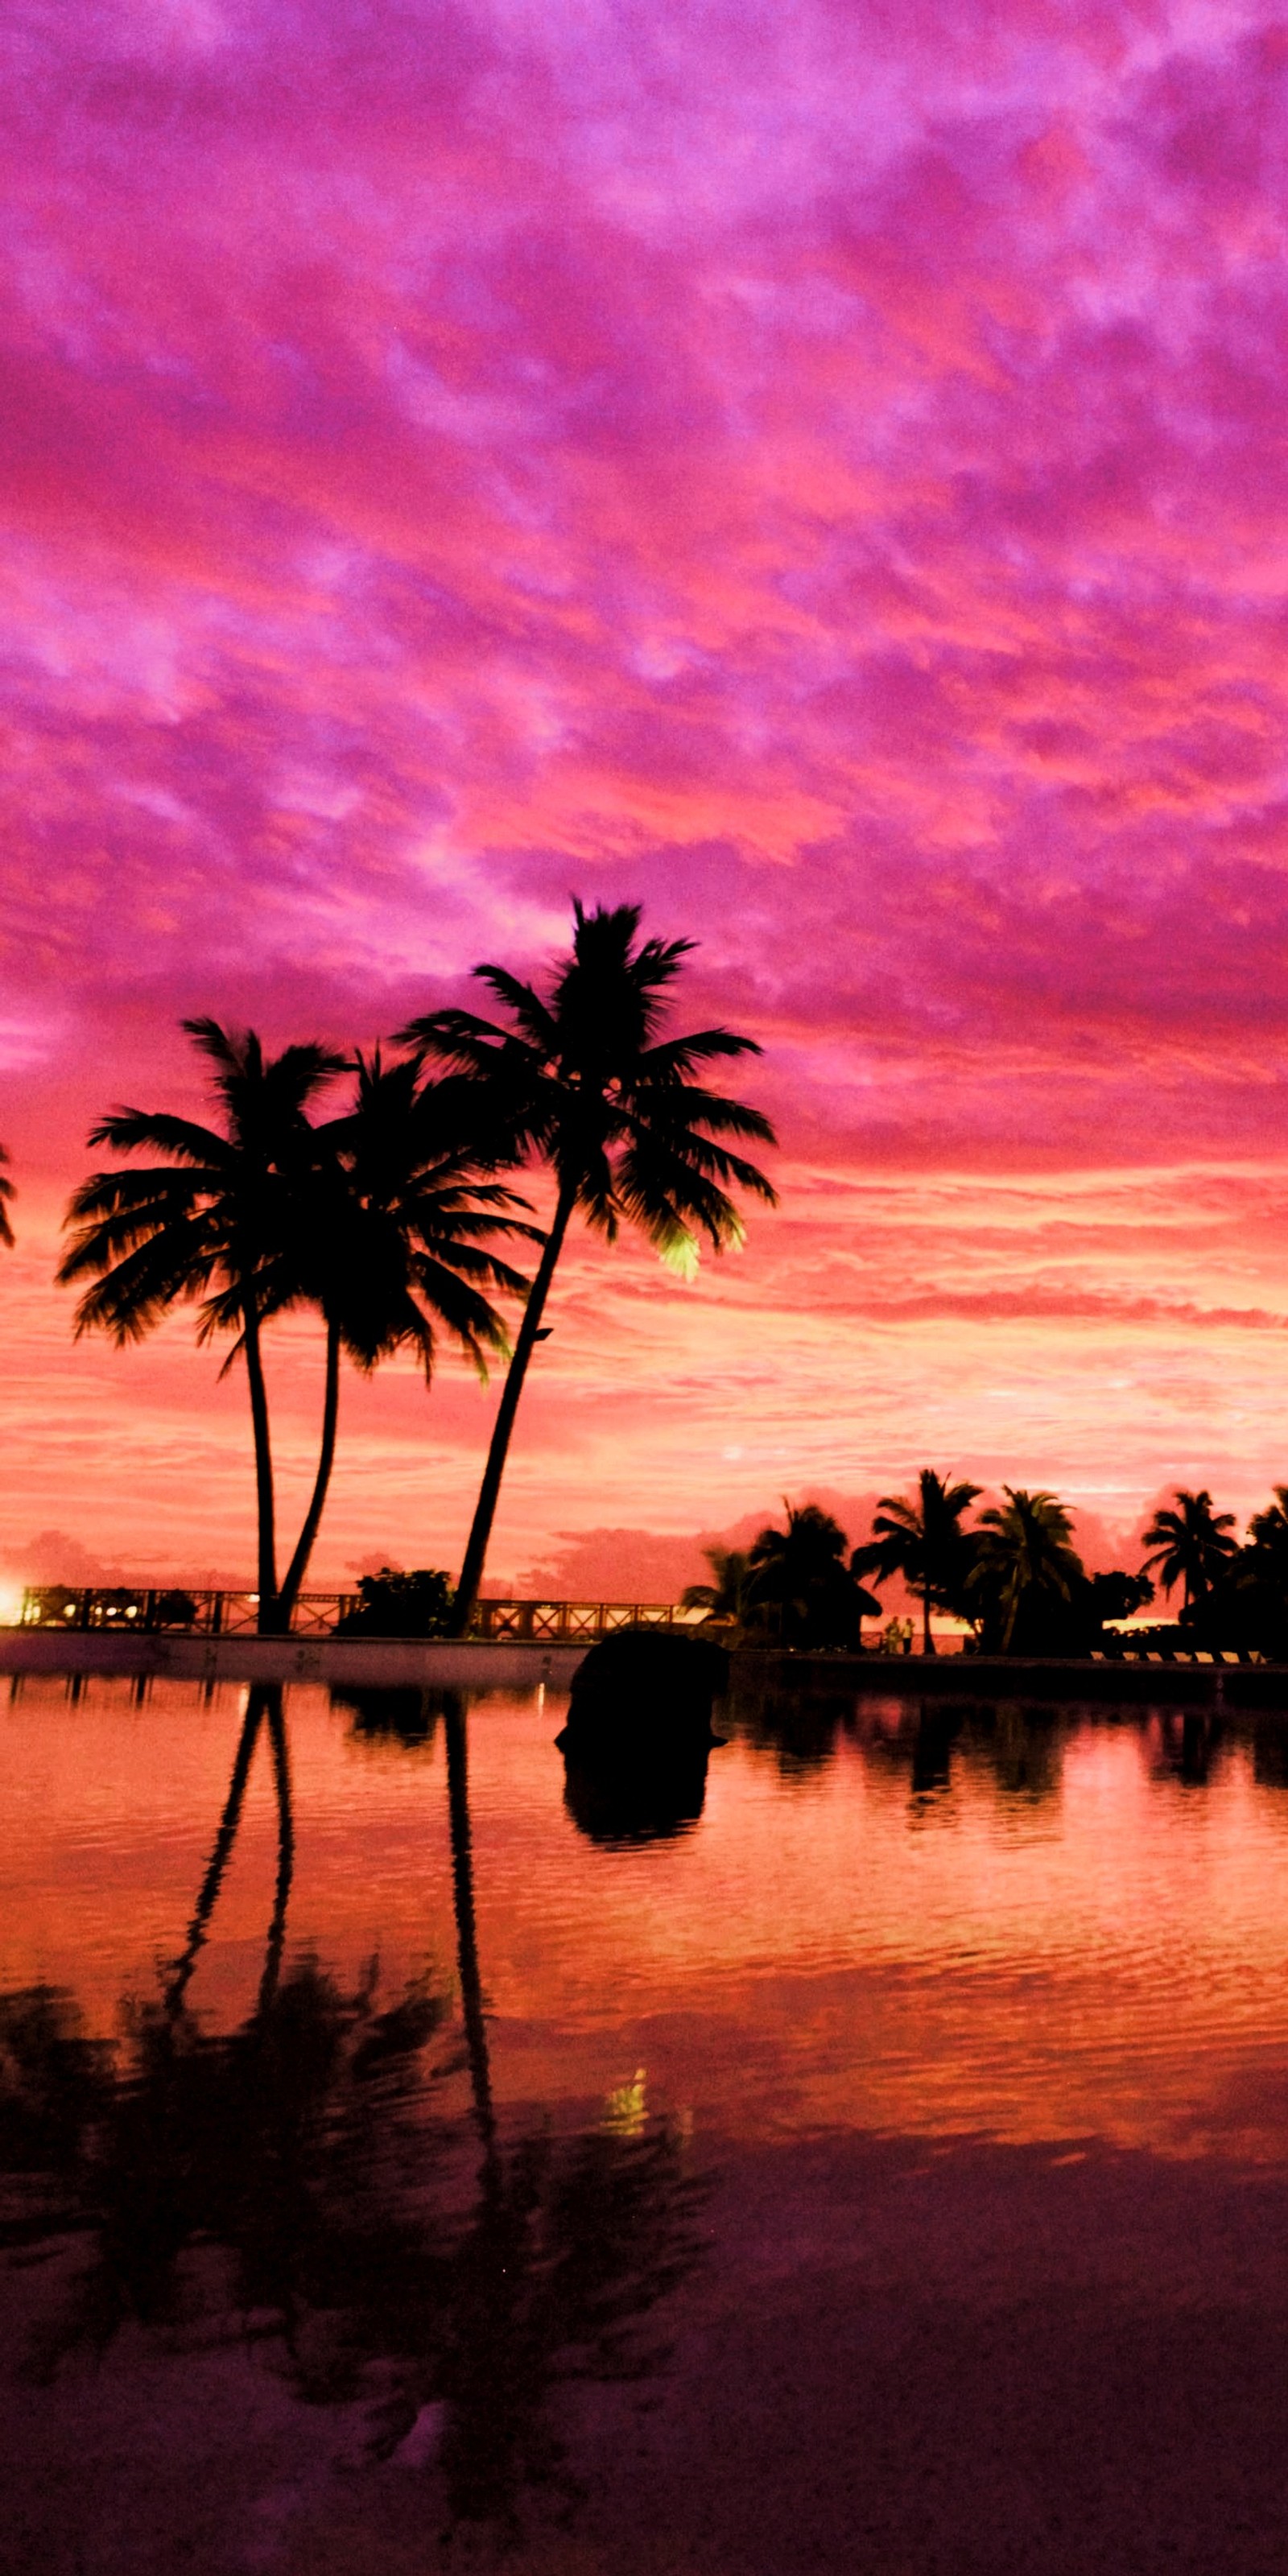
(304, 2181)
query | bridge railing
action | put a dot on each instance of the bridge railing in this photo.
(568, 1622)
(185, 1612)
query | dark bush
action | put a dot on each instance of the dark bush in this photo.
(400, 1605)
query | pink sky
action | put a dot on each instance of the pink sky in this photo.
(817, 471)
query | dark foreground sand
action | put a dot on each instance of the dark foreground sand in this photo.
(898, 2358)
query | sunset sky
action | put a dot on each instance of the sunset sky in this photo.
(817, 471)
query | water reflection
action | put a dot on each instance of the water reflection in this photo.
(1190, 1741)
(1020, 1744)
(407, 1716)
(646, 1800)
(800, 1728)
(307, 2182)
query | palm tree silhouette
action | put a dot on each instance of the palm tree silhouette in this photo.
(389, 1244)
(925, 1543)
(727, 1597)
(583, 1081)
(7, 1192)
(373, 1217)
(215, 1222)
(1191, 1545)
(801, 1573)
(1025, 1556)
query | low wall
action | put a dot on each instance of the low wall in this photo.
(478, 1664)
(439, 1663)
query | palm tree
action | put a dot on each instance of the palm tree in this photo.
(389, 1244)
(1026, 1556)
(727, 1596)
(925, 1543)
(212, 1223)
(6, 1192)
(1268, 1530)
(583, 1081)
(801, 1573)
(1191, 1545)
(374, 1218)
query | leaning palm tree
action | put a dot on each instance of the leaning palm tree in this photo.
(1191, 1546)
(584, 1081)
(212, 1223)
(389, 1245)
(923, 1540)
(1026, 1557)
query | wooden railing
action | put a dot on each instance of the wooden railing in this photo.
(236, 1614)
(567, 1622)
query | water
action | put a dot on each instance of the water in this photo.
(878, 2157)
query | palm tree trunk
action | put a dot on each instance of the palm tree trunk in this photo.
(467, 1954)
(299, 1564)
(927, 1641)
(467, 1590)
(263, 1472)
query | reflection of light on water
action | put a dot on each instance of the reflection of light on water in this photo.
(626, 2107)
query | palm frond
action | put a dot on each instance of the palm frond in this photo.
(538, 1025)
(143, 1131)
(675, 1059)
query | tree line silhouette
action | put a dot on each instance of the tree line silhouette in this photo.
(1015, 1576)
(393, 1220)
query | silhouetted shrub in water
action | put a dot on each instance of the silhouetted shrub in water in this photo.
(638, 1734)
(646, 1688)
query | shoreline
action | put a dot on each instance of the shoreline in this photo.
(484, 1664)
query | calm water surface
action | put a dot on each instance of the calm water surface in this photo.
(375, 2195)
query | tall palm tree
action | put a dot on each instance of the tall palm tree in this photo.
(1026, 1556)
(583, 1081)
(374, 1218)
(211, 1223)
(1191, 1546)
(389, 1244)
(6, 1192)
(923, 1540)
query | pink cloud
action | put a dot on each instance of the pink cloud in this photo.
(818, 472)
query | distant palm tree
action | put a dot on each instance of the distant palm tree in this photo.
(213, 1223)
(1268, 1538)
(727, 1596)
(389, 1244)
(6, 1192)
(1026, 1556)
(1191, 1545)
(925, 1543)
(583, 1081)
(801, 1573)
